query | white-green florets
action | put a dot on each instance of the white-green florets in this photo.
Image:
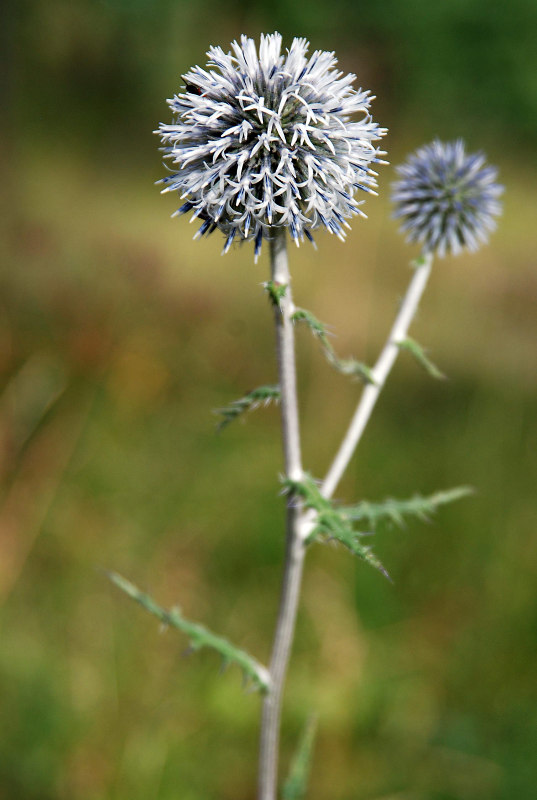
(262, 140)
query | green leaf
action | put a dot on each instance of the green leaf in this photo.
(276, 291)
(316, 326)
(347, 366)
(423, 360)
(418, 262)
(337, 523)
(331, 523)
(263, 395)
(395, 511)
(198, 635)
(353, 368)
(296, 784)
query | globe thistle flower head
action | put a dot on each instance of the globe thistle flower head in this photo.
(264, 139)
(447, 200)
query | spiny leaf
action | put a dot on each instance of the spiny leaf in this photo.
(276, 291)
(330, 522)
(308, 490)
(395, 511)
(423, 360)
(353, 368)
(296, 784)
(263, 395)
(347, 366)
(198, 635)
(316, 326)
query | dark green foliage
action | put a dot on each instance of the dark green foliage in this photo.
(443, 57)
(198, 635)
(263, 395)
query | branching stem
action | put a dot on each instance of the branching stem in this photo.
(380, 372)
(295, 547)
(299, 522)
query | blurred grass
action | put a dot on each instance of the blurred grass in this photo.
(118, 337)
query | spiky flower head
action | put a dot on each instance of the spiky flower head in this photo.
(264, 140)
(447, 200)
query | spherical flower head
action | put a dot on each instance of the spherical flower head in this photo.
(265, 140)
(446, 198)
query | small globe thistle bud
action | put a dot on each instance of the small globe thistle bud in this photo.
(264, 140)
(446, 198)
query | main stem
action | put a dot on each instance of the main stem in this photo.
(295, 548)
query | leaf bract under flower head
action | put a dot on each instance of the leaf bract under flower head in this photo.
(446, 199)
(264, 139)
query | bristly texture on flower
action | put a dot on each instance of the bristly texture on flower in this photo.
(263, 140)
(447, 200)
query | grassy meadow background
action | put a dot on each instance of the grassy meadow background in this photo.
(119, 336)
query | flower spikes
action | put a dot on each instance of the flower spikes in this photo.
(446, 199)
(263, 139)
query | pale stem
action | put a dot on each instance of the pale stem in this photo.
(295, 546)
(380, 372)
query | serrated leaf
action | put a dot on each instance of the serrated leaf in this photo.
(395, 511)
(331, 523)
(263, 395)
(317, 327)
(353, 368)
(198, 635)
(296, 784)
(347, 366)
(421, 357)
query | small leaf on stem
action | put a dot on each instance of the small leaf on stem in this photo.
(263, 395)
(347, 366)
(423, 360)
(276, 291)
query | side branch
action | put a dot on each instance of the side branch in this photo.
(379, 374)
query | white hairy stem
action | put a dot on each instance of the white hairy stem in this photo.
(380, 372)
(295, 545)
(300, 523)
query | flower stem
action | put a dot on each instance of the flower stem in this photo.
(295, 548)
(380, 372)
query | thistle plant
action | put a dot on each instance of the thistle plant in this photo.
(271, 145)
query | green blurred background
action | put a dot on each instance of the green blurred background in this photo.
(118, 336)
